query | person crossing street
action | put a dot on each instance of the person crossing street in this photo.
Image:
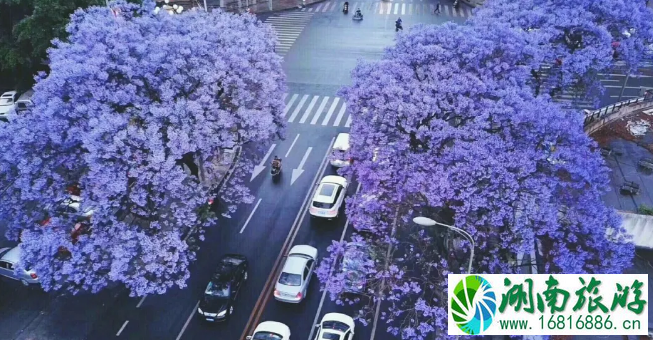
(438, 9)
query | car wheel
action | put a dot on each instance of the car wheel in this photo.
(245, 277)
(25, 283)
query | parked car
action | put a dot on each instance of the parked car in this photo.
(7, 105)
(329, 197)
(335, 326)
(9, 259)
(339, 152)
(296, 275)
(24, 102)
(219, 298)
(270, 330)
(354, 260)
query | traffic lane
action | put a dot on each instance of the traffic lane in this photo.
(20, 306)
(319, 234)
(265, 229)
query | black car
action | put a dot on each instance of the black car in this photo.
(217, 304)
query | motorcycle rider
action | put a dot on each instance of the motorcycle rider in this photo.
(398, 25)
(276, 162)
(358, 13)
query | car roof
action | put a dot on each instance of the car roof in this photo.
(26, 96)
(326, 193)
(226, 268)
(346, 319)
(303, 249)
(273, 327)
(13, 255)
(342, 142)
(295, 265)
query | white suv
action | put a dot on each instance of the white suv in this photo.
(329, 197)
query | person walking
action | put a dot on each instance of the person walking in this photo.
(437, 9)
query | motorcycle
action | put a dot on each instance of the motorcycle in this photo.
(398, 27)
(358, 16)
(276, 170)
(345, 9)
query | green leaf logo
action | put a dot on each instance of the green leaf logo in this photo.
(473, 304)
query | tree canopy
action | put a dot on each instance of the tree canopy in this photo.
(127, 98)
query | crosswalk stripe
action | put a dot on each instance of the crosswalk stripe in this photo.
(319, 111)
(446, 9)
(308, 111)
(299, 107)
(396, 8)
(403, 9)
(292, 100)
(319, 7)
(410, 9)
(284, 97)
(342, 112)
(376, 7)
(348, 123)
(331, 109)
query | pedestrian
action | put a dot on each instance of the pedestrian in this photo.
(437, 9)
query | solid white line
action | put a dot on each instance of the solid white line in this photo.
(624, 97)
(319, 307)
(141, 302)
(308, 110)
(348, 123)
(292, 100)
(299, 107)
(188, 321)
(308, 152)
(291, 145)
(342, 112)
(123, 327)
(620, 86)
(333, 107)
(249, 218)
(319, 110)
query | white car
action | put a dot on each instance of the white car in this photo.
(292, 284)
(335, 326)
(7, 104)
(329, 197)
(270, 330)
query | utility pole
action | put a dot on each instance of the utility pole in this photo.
(623, 88)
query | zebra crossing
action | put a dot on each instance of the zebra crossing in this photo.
(288, 27)
(316, 110)
(403, 7)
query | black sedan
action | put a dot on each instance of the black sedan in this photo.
(219, 298)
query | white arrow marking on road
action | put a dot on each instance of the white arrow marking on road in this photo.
(261, 166)
(300, 169)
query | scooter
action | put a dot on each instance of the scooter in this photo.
(345, 9)
(275, 171)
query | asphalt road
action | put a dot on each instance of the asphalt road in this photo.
(321, 46)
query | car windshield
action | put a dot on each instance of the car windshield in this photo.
(266, 336)
(288, 279)
(336, 325)
(330, 336)
(217, 290)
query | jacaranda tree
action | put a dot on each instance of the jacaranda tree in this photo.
(445, 126)
(578, 39)
(130, 97)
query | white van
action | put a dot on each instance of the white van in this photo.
(339, 153)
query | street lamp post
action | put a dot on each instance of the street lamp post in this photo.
(427, 222)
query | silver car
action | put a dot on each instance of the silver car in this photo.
(9, 258)
(293, 282)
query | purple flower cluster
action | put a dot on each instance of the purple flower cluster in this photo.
(129, 95)
(448, 125)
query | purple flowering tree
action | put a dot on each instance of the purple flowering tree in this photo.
(446, 126)
(130, 99)
(578, 39)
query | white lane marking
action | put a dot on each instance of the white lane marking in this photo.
(339, 117)
(292, 100)
(249, 218)
(410, 8)
(454, 12)
(299, 107)
(141, 302)
(188, 321)
(319, 7)
(403, 9)
(319, 110)
(333, 107)
(446, 9)
(620, 86)
(376, 7)
(308, 110)
(319, 307)
(300, 169)
(284, 97)
(396, 8)
(122, 328)
(348, 123)
(291, 145)
(261, 166)
(381, 8)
